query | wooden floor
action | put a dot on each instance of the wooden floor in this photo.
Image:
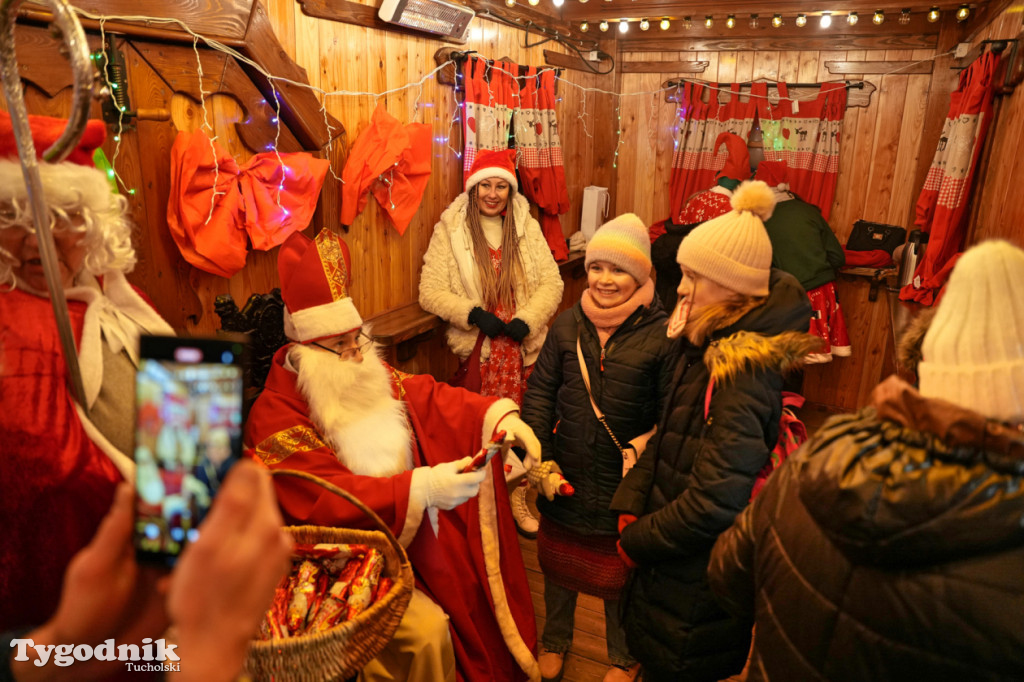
(587, 661)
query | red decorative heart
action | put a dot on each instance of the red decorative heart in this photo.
(471, 122)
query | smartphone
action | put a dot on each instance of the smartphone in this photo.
(188, 434)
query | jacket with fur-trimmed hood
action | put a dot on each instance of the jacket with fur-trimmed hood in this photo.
(889, 547)
(697, 475)
(450, 285)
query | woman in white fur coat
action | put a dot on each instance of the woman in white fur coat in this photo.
(489, 273)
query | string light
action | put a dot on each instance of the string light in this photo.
(687, 23)
(777, 21)
(730, 22)
(644, 24)
(963, 12)
(603, 26)
(583, 2)
(664, 24)
(709, 21)
(534, 2)
(623, 26)
(558, 3)
(510, 3)
(826, 19)
(852, 18)
(584, 27)
(801, 20)
(904, 17)
(753, 21)
(933, 15)
(878, 17)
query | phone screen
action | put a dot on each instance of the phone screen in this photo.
(188, 433)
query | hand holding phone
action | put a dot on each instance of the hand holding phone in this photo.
(483, 457)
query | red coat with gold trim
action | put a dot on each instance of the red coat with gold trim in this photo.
(494, 638)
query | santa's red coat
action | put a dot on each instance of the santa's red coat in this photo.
(451, 567)
(57, 485)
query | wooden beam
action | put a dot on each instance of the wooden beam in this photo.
(221, 19)
(300, 108)
(348, 12)
(571, 61)
(855, 96)
(664, 67)
(783, 44)
(677, 9)
(879, 68)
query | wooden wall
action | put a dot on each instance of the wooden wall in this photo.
(881, 145)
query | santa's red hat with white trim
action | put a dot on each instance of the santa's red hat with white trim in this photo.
(315, 276)
(493, 164)
(75, 180)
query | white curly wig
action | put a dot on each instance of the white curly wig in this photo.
(70, 188)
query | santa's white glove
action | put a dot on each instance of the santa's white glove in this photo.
(446, 488)
(518, 433)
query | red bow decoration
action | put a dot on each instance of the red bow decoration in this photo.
(393, 162)
(262, 202)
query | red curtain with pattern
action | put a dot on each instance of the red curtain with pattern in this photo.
(942, 205)
(487, 108)
(698, 125)
(806, 136)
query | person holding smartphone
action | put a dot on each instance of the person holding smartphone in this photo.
(400, 443)
(60, 467)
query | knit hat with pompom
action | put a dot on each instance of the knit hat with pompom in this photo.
(733, 250)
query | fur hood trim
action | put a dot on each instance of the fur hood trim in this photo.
(750, 351)
(908, 350)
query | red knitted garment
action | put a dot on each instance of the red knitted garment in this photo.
(583, 563)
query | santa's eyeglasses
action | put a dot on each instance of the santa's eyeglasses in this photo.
(362, 344)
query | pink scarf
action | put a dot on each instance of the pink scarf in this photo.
(607, 320)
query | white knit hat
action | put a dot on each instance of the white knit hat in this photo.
(973, 352)
(734, 250)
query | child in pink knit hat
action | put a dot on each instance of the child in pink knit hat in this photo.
(613, 340)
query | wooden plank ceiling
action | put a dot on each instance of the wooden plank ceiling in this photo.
(687, 30)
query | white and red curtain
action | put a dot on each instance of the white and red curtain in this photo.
(494, 93)
(489, 90)
(539, 155)
(805, 135)
(699, 123)
(941, 207)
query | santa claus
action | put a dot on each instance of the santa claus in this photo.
(333, 408)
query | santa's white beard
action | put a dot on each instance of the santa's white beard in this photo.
(352, 406)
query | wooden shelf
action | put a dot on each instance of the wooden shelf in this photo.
(401, 329)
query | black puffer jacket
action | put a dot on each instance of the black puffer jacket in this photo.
(695, 479)
(882, 551)
(630, 390)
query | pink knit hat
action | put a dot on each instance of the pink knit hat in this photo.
(733, 249)
(623, 242)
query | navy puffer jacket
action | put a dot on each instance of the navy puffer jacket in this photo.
(628, 383)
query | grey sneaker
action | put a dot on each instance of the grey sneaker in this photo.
(526, 522)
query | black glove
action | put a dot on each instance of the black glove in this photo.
(517, 330)
(489, 323)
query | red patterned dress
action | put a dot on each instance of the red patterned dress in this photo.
(502, 375)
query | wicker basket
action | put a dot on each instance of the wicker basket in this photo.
(342, 651)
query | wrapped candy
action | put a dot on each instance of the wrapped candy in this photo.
(303, 595)
(361, 594)
(334, 608)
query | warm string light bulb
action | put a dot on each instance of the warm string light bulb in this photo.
(709, 21)
(826, 19)
(852, 18)
(933, 15)
(904, 17)
(623, 26)
(644, 24)
(777, 21)
(801, 20)
(753, 21)
(584, 27)
(730, 22)
(603, 26)
(664, 24)
(963, 12)
(687, 23)
(878, 17)
(510, 3)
